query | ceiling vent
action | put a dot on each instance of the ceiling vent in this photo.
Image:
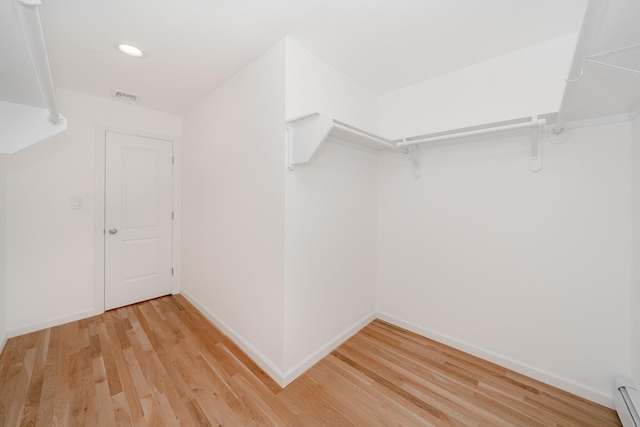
(126, 96)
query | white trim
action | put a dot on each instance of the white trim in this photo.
(98, 283)
(177, 210)
(101, 132)
(49, 323)
(260, 359)
(546, 377)
(283, 379)
(326, 349)
(3, 342)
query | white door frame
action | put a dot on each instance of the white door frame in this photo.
(101, 141)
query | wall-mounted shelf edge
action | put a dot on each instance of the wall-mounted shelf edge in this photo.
(305, 135)
(535, 124)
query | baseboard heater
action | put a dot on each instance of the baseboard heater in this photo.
(627, 401)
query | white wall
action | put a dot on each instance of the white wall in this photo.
(522, 83)
(233, 190)
(286, 294)
(315, 86)
(330, 219)
(50, 248)
(635, 280)
(330, 251)
(3, 255)
(530, 270)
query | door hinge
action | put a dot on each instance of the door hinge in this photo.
(172, 271)
(173, 216)
(173, 160)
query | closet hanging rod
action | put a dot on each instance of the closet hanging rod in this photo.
(376, 139)
(515, 126)
(588, 26)
(615, 67)
(32, 29)
(615, 51)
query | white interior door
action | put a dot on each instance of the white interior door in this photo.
(138, 219)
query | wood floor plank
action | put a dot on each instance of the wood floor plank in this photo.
(395, 405)
(62, 392)
(364, 401)
(215, 408)
(121, 409)
(279, 414)
(389, 381)
(227, 403)
(161, 362)
(134, 410)
(430, 382)
(11, 407)
(199, 417)
(32, 403)
(47, 397)
(105, 414)
(111, 370)
(314, 400)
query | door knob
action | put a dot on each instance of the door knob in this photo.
(113, 231)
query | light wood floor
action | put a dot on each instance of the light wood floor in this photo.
(161, 363)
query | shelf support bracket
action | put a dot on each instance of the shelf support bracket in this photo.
(304, 136)
(536, 150)
(290, 165)
(414, 154)
(557, 137)
(536, 144)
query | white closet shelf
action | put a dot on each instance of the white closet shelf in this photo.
(306, 134)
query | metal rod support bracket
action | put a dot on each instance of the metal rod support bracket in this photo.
(557, 137)
(414, 155)
(536, 149)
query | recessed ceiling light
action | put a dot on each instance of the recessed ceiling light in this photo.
(130, 50)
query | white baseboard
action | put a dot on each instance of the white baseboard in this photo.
(283, 379)
(260, 359)
(546, 377)
(325, 349)
(49, 323)
(3, 342)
